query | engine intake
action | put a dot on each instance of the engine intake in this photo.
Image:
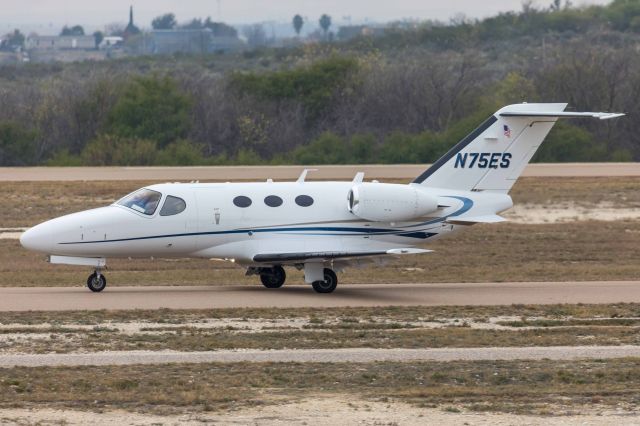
(386, 202)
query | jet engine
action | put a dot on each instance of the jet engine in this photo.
(385, 202)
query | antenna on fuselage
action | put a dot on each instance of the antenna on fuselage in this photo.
(359, 177)
(303, 175)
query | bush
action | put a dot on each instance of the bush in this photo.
(181, 153)
(110, 150)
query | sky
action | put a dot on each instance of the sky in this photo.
(48, 16)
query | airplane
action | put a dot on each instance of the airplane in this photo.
(318, 227)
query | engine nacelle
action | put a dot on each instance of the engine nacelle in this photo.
(386, 202)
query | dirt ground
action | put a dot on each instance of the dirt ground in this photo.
(324, 411)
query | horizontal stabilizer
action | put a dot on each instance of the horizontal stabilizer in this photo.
(490, 218)
(330, 255)
(562, 114)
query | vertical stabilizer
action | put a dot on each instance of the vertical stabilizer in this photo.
(493, 156)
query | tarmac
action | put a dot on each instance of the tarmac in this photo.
(301, 296)
(238, 173)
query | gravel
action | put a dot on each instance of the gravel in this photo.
(321, 355)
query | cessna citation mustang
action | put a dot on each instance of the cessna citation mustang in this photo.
(320, 227)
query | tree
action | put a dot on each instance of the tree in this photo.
(151, 108)
(15, 39)
(325, 23)
(164, 22)
(98, 37)
(298, 22)
(76, 30)
(219, 29)
(17, 145)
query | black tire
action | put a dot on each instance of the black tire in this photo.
(273, 277)
(95, 283)
(329, 284)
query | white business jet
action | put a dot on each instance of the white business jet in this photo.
(320, 227)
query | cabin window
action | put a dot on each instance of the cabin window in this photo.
(304, 200)
(242, 201)
(172, 205)
(143, 201)
(273, 201)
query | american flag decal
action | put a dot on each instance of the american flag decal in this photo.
(507, 131)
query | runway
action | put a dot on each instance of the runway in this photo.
(235, 173)
(298, 296)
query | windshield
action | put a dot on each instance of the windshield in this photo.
(144, 201)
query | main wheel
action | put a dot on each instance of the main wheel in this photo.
(329, 284)
(96, 283)
(273, 277)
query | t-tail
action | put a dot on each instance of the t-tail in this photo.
(493, 156)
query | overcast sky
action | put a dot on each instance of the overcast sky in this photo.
(49, 15)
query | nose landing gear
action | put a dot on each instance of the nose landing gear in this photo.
(96, 282)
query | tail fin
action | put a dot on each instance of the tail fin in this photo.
(493, 156)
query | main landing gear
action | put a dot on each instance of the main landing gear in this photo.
(273, 277)
(96, 282)
(328, 285)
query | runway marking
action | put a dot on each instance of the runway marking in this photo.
(302, 296)
(323, 355)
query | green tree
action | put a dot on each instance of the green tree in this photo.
(314, 86)
(18, 146)
(325, 24)
(98, 37)
(151, 108)
(164, 22)
(15, 39)
(76, 30)
(298, 22)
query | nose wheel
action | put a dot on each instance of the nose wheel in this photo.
(96, 282)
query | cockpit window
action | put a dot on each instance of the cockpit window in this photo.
(144, 201)
(172, 205)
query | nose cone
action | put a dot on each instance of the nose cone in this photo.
(38, 238)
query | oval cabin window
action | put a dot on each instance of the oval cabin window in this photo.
(242, 201)
(304, 200)
(273, 201)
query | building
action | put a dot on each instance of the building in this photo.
(165, 42)
(84, 42)
(111, 42)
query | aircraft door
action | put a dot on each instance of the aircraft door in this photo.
(178, 217)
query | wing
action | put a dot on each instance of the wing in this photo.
(331, 255)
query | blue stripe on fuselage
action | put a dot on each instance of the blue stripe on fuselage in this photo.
(413, 233)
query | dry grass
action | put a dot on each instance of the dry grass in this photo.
(564, 312)
(516, 386)
(29, 203)
(411, 327)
